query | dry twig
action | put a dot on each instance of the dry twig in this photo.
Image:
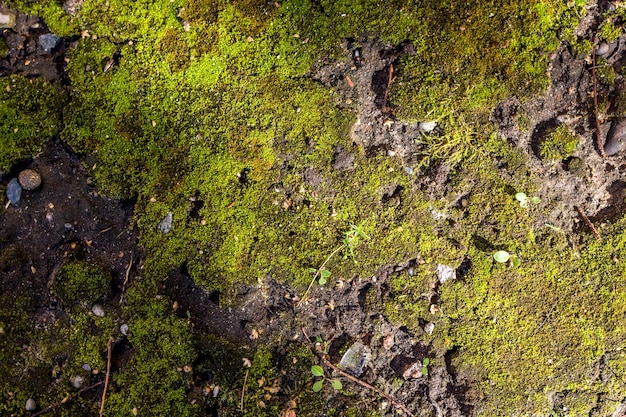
(360, 382)
(595, 106)
(130, 265)
(391, 79)
(243, 390)
(66, 399)
(106, 379)
(588, 222)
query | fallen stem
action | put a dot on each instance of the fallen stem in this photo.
(127, 276)
(588, 222)
(66, 399)
(318, 272)
(243, 390)
(106, 379)
(391, 79)
(360, 382)
(595, 104)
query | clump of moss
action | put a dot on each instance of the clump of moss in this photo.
(80, 282)
(30, 113)
(559, 144)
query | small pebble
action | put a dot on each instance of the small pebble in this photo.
(14, 192)
(97, 310)
(616, 137)
(29, 179)
(7, 20)
(605, 49)
(354, 359)
(77, 381)
(429, 327)
(124, 329)
(86, 367)
(445, 273)
(388, 342)
(427, 127)
(165, 226)
(48, 42)
(414, 371)
(31, 405)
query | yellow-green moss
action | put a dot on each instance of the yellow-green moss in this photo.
(559, 144)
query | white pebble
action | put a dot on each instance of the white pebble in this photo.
(97, 310)
(429, 327)
(124, 329)
(31, 405)
(77, 381)
(428, 127)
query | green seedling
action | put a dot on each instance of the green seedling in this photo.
(524, 200)
(318, 371)
(350, 240)
(503, 257)
(425, 364)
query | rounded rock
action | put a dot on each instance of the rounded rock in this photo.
(29, 179)
(97, 310)
(14, 191)
(616, 137)
(124, 329)
(31, 405)
(77, 381)
(605, 49)
(48, 42)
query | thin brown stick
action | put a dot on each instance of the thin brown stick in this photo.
(391, 79)
(588, 222)
(595, 106)
(106, 379)
(243, 390)
(318, 272)
(360, 382)
(66, 399)
(130, 265)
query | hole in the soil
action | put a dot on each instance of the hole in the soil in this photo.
(196, 206)
(362, 296)
(548, 141)
(391, 192)
(400, 364)
(338, 346)
(458, 390)
(482, 244)
(121, 354)
(464, 268)
(243, 176)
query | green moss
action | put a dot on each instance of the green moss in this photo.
(30, 113)
(559, 144)
(79, 282)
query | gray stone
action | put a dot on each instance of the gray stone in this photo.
(48, 42)
(445, 273)
(165, 225)
(14, 191)
(31, 405)
(97, 310)
(7, 19)
(354, 359)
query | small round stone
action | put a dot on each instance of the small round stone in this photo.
(48, 42)
(14, 192)
(77, 381)
(97, 310)
(616, 137)
(31, 405)
(86, 367)
(29, 179)
(124, 329)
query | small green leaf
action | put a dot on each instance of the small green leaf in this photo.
(317, 370)
(336, 384)
(317, 387)
(501, 256)
(521, 197)
(426, 362)
(322, 281)
(535, 200)
(325, 273)
(516, 262)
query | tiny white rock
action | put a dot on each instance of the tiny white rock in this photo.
(77, 381)
(427, 127)
(445, 273)
(97, 310)
(165, 226)
(414, 371)
(31, 405)
(429, 327)
(124, 329)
